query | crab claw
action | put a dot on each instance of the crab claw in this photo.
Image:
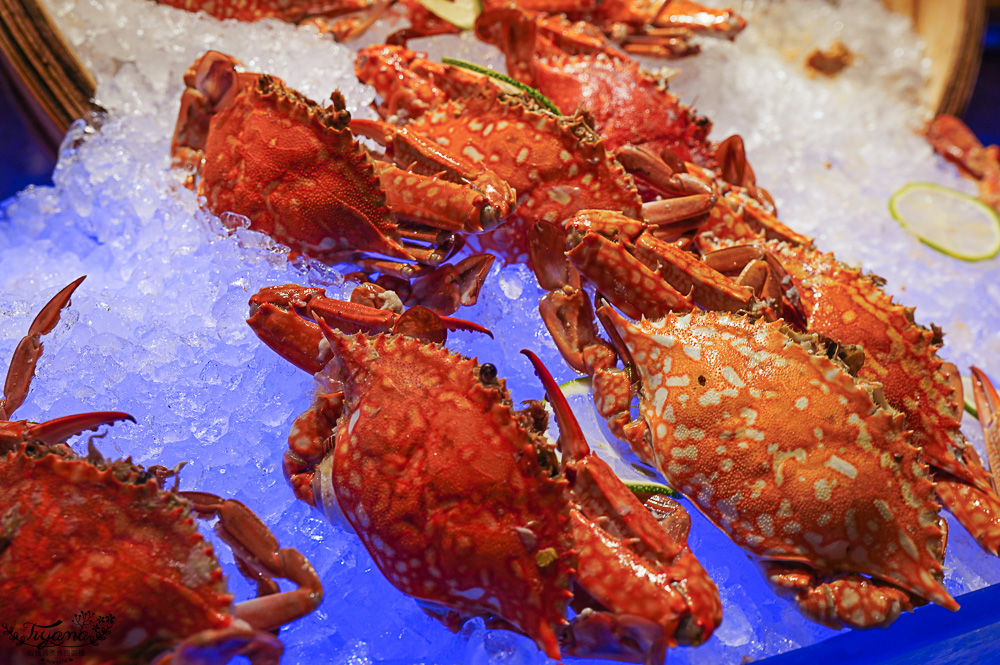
(988, 410)
(955, 141)
(58, 430)
(29, 350)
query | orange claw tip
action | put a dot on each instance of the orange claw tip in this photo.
(451, 323)
(60, 429)
(571, 438)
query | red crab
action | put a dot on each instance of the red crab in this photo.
(122, 557)
(577, 68)
(850, 307)
(798, 461)
(471, 511)
(570, 168)
(661, 29)
(297, 173)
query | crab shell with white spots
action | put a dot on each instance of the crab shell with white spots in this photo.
(785, 451)
(82, 534)
(446, 485)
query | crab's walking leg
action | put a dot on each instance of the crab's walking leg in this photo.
(988, 409)
(849, 601)
(29, 350)
(260, 558)
(976, 509)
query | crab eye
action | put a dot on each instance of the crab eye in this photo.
(487, 373)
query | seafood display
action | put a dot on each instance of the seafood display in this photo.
(807, 421)
(113, 538)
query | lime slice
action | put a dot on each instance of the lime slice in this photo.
(460, 13)
(970, 401)
(951, 222)
(639, 477)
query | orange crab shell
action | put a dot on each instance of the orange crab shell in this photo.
(294, 169)
(557, 165)
(785, 452)
(851, 307)
(77, 537)
(460, 513)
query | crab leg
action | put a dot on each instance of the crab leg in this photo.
(956, 142)
(29, 350)
(988, 410)
(850, 601)
(261, 558)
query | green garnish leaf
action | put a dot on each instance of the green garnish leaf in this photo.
(503, 78)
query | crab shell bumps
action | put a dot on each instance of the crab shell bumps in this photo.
(787, 453)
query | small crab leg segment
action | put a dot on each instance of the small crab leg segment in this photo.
(988, 409)
(849, 601)
(29, 350)
(261, 558)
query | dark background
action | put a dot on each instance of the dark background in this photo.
(23, 162)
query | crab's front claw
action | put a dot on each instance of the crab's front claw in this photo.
(29, 350)
(849, 601)
(699, 19)
(988, 411)
(616, 536)
(211, 84)
(953, 139)
(461, 195)
(449, 286)
(273, 317)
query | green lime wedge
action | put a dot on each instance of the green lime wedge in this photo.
(970, 401)
(460, 13)
(639, 477)
(951, 222)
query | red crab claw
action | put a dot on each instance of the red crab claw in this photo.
(646, 612)
(988, 410)
(428, 156)
(955, 141)
(274, 317)
(29, 350)
(20, 374)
